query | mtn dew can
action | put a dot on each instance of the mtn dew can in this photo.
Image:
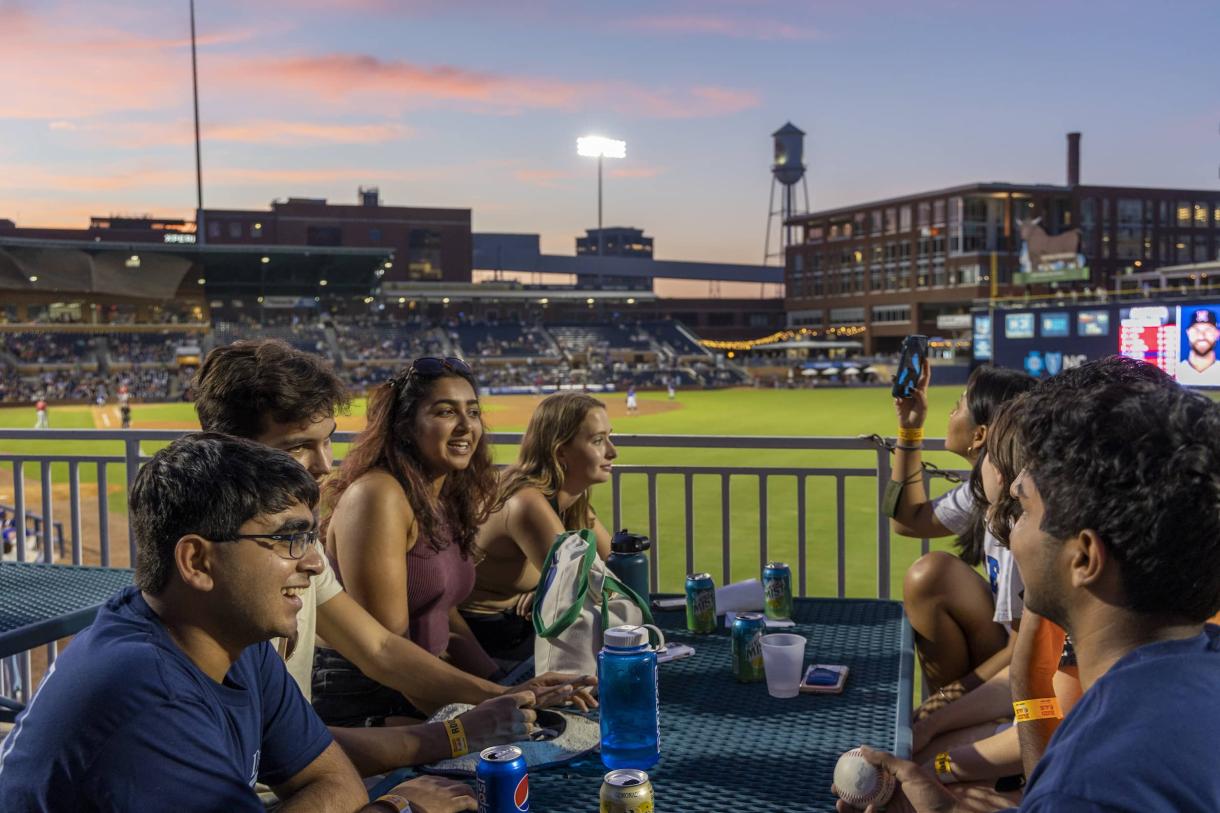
(748, 630)
(700, 603)
(777, 590)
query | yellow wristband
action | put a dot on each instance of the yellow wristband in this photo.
(910, 435)
(944, 768)
(398, 802)
(457, 737)
(1039, 709)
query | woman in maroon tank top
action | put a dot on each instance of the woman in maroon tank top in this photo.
(404, 510)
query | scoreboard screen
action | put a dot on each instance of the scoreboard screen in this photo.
(1150, 334)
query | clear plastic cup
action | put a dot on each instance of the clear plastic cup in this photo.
(783, 658)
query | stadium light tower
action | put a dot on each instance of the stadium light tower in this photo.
(600, 147)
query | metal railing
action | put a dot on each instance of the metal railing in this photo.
(123, 466)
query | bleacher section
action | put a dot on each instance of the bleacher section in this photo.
(381, 342)
(74, 365)
(303, 336)
(48, 348)
(674, 341)
(148, 348)
(511, 340)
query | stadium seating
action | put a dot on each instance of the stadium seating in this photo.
(47, 347)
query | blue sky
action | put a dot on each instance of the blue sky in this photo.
(478, 104)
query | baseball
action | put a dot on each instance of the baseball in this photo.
(859, 783)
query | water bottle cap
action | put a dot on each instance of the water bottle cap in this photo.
(626, 542)
(626, 637)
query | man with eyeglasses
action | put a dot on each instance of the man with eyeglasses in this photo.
(174, 698)
(287, 399)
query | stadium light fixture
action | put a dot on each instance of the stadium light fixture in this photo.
(265, 260)
(445, 301)
(322, 282)
(201, 281)
(33, 278)
(543, 301)
(589, 301)
(402, 300)
(630, 300)
(600, 147)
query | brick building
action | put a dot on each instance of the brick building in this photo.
(894, 266)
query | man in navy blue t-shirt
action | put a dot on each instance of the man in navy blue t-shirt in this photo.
(174, 699)
(1118, 542)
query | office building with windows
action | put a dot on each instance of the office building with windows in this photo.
(427, 244)
(899, 266)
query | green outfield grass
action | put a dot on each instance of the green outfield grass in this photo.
(743, 412)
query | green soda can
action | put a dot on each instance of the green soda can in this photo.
(777, 590)
(748, 630)
(700, 603)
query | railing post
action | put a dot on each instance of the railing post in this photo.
(19, 506)
(883, 524)
(654, 567)
(103, 513)
(763, 556)
(800, 535)
(74, 504)
(131, 449)
(48, 526)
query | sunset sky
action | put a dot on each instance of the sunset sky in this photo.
(479, 104)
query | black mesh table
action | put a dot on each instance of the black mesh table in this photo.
(41, 603)
(731, 746)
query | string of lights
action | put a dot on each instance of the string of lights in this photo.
(785, 336)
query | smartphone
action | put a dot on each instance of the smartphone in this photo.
(673, 652)
(910, 366)
(824, 679)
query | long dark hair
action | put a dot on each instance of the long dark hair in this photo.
(987, 389)
(387, 443)
(1004, 451)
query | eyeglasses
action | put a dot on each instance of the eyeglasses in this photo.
(296, 543)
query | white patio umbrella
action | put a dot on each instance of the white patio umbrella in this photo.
(831, 371)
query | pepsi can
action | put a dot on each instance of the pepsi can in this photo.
(777, 590)
(700, 603)
(504, 785)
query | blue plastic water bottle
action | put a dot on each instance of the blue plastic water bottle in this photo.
(627, 691)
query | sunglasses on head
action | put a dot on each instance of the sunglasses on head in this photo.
(431, 365)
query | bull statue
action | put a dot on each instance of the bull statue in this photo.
(1038, 244)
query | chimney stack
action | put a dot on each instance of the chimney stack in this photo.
(1073, 159)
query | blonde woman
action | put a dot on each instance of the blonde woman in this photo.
(565, 452)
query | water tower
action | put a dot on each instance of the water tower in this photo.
(787, 170)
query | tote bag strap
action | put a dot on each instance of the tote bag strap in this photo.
(619, 587)
(569, 615)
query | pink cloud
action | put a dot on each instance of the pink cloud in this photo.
(544, 178)
(265, 131)
(637, 172)
(721, 26)
(338, 77)
(361, 81)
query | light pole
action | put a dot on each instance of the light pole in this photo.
(600, 147)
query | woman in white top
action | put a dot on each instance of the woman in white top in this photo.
(961, 619)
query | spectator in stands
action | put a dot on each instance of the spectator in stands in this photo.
(174, 698)
(961, 620)
(1118, 539)
(405, 508)
(287, 399)
(565, 452)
